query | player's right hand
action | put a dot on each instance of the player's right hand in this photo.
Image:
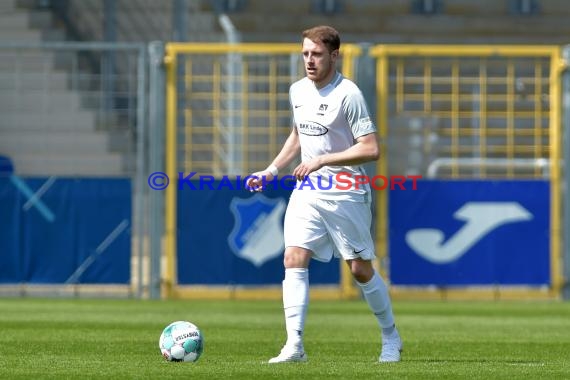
(256, 180)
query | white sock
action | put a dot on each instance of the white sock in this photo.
(376, 294)
(295, 302)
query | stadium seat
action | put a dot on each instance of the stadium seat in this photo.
(6, 166)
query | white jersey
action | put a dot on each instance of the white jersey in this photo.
(329, 120)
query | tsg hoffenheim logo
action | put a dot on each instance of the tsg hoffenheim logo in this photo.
(257, 235)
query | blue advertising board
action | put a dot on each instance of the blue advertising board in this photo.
(63, 230)
(230, 236)
(470, 233)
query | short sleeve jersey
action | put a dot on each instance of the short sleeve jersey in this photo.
(329, 120)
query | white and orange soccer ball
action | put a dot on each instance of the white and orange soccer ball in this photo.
(181, 341)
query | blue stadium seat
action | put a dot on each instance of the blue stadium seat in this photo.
(6, 166)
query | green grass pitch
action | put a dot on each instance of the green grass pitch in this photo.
(118, 339)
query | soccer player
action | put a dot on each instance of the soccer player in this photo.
(334, 134)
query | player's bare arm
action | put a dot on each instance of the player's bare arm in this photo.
(288, 153)
(366, 149)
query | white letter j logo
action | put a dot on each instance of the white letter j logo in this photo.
(480, 219)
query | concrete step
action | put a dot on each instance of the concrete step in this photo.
(406, 24)
(47, 142)
(151, 6)
(122, 6)
(33, 81)
(8, 5)
(18, 60)
(384, 7)
(162, 20)
(31, 36)
(478, 8)
(202, 21)
(553, 7)
(22, 19)
(262, 7)
(108, 164)
(59, 121)
(206, 36)
(43, 100)
(413, 38)
(471, 25)
(200, 28)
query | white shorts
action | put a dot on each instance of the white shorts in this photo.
(327, 228)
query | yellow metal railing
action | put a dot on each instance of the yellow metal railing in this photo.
(235, 110)
(517, 113)
(490, 102)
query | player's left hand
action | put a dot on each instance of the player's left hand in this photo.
(306, 168)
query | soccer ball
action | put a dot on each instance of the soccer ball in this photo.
(181, 341)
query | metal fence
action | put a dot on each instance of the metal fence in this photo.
(471, 104)
(227, 113)
(446, 111)
(473, 112)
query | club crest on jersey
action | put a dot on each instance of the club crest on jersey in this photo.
(322, 109)
(311, 128)
(257, 235)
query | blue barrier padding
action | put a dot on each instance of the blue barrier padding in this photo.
(216, 224)
(469, 233)
(86, 213)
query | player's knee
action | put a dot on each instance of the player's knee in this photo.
(296, 257)
(361, 271)
(361, 277)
